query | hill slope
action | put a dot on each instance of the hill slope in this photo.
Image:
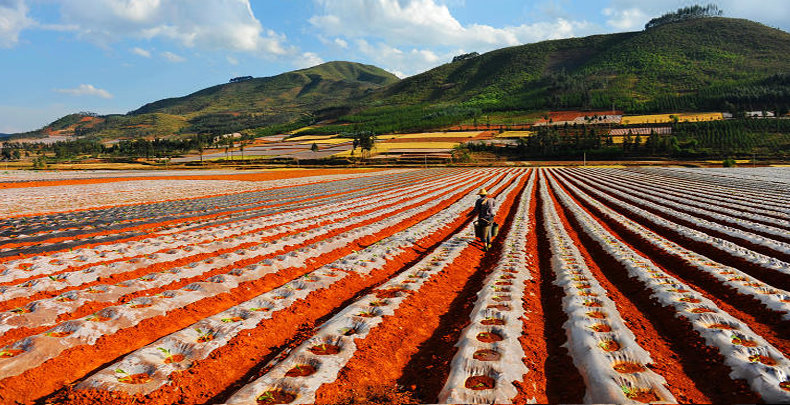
(637, 70)
(701, 64)
(304, 90)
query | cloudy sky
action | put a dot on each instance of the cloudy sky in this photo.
(112, 56)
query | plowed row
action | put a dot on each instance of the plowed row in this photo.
(603, 286)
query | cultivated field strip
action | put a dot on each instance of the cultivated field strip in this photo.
(199, 240)
(40, 230)
(770, 268)
(489, 352)
(237, 248)
(772, 195)
(605, 285)
(604, 350)
(680, 193)
(35, 200)
(747, 221)
(773, 298)
(768, 238)
(110, 319)
(224, 326)
(336, 341)
(747, 354)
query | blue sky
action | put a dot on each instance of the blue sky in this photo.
(112, 56)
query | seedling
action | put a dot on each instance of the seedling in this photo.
(206, 336)
(267, 396)
(8, 353)
(125, 377)
(257, 309)
(232, 319)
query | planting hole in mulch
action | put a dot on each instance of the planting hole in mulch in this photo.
(492, 321)
(627, 367)
(690, 300)
(737, 340)
(762, 359)
(503, 283)
(609, 345)
(301, 370)
(7, 353)
(60, 334)
(489, 337)
(597, 315)
(479, 383)
(601, 327)
(785, 385)
(139, 378)
(644, 396)
(721, 326)
(487, 355)
(325, 349)
(174, 358)
(700, 310)
(275, 397)
(499, 307)
(389, 293)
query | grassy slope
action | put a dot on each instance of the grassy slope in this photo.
(302, 90)
(674, 59)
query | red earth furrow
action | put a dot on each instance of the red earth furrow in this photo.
(647, 206)
(703, 363)
(76, 362)
(656, 191)
(766, 275)
(390, 349)
(163, 266)
(766, 323)
(94, 306)
(667, 362)
(535, 339)
(138, 228)
(237, 360)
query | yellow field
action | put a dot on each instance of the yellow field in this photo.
(384, 147)
(332, 141)
(440, 135)
(619, 139)
(515, 134)
(665, 118)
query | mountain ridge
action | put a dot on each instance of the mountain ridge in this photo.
(712, 63)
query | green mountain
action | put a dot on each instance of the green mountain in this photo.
(306, 90)
(249, 103)
(700, 63)
(710, 63)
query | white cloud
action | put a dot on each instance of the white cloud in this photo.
(13, 19)
(171, 57)
(86, 90)
(341, 43)
(428, 23)
(207, 24)
(626, 19)
(233, 61)
(399, 61)
(308, 59)
(141, 52)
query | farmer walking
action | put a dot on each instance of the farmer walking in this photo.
(484, 208)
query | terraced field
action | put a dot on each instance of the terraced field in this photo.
(603, 285)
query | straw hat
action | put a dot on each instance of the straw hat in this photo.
(483, 192)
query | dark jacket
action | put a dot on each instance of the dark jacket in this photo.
(484, 208)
